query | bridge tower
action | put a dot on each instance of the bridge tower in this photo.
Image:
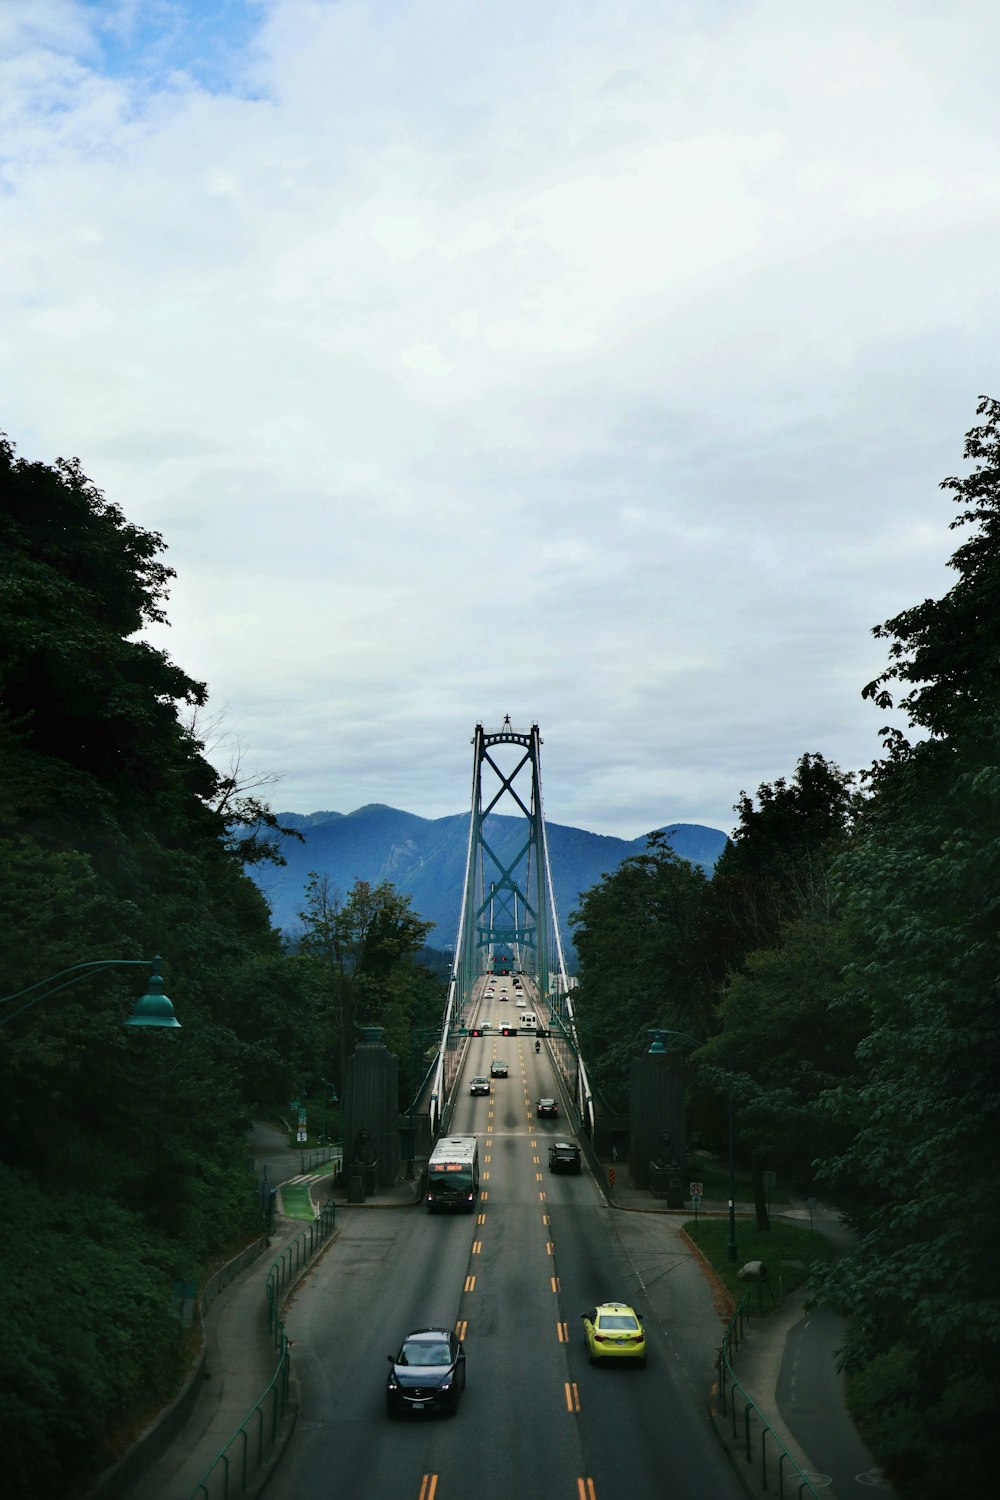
(505, 904)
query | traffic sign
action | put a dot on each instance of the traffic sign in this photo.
(695, 1190)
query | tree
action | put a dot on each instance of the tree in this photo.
(364, 950)
(115, 843)
(637, 938)
(920, 878)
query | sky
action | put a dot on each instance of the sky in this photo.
(595, 364)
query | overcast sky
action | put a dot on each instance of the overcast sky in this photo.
(594, 363)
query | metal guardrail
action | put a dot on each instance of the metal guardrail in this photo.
(728, 1386)
(235, 1466)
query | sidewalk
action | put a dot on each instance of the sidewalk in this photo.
(239, 1362)
(787, 1379)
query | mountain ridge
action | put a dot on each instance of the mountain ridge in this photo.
(424, 858)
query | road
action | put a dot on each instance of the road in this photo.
(514, 1278)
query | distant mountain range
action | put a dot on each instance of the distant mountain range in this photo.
(425, 859)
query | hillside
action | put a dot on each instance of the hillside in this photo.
(425, 859)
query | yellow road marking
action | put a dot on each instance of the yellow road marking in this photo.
(481, 1219)
(483, 1196)
(553, 1282)
(572, 1396)
(462, 1327)
(486, 1178)
(549, 1247)
(428, 1487)
(542, 1195)
(536, 1160)
(562, 1333)
(470, 1283)
(477, 1246)
(545, 1218)
(539, 1177)
(585, 1489)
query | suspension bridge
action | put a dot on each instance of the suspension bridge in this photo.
(508, 920)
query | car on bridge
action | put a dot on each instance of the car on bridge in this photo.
(547, 1109)
(564, 1156)
(613, 1330)
(427, 1374)
(479, 1085)
(498, 1068)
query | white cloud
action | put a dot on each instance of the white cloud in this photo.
(593, 364)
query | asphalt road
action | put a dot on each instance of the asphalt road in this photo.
(515, 1277)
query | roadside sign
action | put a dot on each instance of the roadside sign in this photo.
(695, 1199)
(611, 1176)
(695, 1190)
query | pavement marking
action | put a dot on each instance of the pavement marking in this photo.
(483, 1196)
(481, 1219)
(428, 1487)
(470, 1283)
(554, 1283)
(539, 1177)
(549, 1248)
(585, 1489)
(572, 1396)
(462, 1327)
(562, 1332)
(477, 1247)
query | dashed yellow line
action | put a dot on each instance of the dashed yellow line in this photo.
(542, 1195)
(585, 1489)
(428, 1487)
(539, 1177)
(562, 1333)
(477, 1247)
(462, 1327)
(553, 1283)
(549, 1248)
(572, 1396)
(483, 1196)
(470, 1283)
(481, 1219)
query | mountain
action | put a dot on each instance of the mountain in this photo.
(425, 859)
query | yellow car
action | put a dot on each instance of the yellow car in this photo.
(613, 1330)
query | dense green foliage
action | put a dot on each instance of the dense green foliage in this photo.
(850, 939)
(124, 1153)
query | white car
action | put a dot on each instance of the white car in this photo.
(521, 1003)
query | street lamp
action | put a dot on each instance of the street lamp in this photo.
(657, 1049)
(151, 1009)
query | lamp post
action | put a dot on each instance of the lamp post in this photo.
(658, 1049)
(151, 1009)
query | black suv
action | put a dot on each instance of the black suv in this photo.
(427, 1374)
(564, 1156)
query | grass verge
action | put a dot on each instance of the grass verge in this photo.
(786, 1250)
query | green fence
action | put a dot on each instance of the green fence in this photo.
(775, 1461)
(238, 1466)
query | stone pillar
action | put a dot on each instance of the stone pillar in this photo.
(371, 1112)
(657, 1144)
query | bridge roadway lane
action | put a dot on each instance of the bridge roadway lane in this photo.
(536, 1420)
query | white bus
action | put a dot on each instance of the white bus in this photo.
(527, 1021)
(453, 1174)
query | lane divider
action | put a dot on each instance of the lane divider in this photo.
(470, 1283)
(462, 1327)
(585, 1489)
(428, 1487)
(572, 1396)
(562, 1332)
